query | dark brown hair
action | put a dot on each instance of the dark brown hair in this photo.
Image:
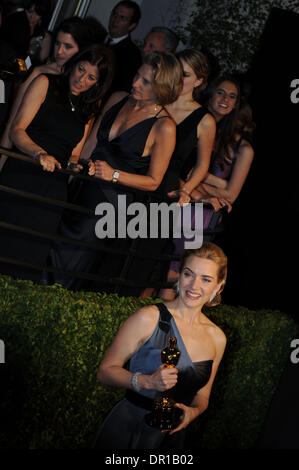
(88, 101)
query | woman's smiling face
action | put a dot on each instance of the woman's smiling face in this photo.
(198, 281)
(223, 100)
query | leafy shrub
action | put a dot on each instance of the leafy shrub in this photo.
(55, 339)
(231, 29)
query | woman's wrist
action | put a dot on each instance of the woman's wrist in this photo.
(38, 153)
(185, 191)
(140, 382)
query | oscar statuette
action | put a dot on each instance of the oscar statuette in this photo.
(163, 415)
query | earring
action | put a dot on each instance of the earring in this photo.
(178, 287)
(212, 296)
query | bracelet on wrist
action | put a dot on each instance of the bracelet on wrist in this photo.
(134, 381)
(37, 154)
(71, 165)
(185, 191)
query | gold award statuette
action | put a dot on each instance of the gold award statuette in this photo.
(163, 414)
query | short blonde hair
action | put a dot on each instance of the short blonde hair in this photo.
(167, 78)
(213, 252)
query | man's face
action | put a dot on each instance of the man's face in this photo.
(120, 22)
(153, 42)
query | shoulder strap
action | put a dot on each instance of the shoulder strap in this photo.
(165, 317)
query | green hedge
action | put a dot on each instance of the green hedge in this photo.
(55, 339)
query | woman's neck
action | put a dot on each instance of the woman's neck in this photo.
(145, 105)
(185, 313)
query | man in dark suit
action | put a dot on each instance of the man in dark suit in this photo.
(123, 20)
(15, 28)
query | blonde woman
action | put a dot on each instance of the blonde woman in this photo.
(139, 342)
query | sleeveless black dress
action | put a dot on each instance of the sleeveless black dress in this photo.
(125, 426)
(125, 152)
(57, 130)
(186, 142)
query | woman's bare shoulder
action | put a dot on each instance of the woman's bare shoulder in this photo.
(215, 331)
(147, 314)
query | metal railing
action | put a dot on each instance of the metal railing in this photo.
(129, 254)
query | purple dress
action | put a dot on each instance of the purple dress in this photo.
(224, 171)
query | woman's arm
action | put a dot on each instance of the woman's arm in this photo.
(206, 136)
(33, 99)
(201, 400)
(76, 153)
(163, 143)
(51, 68)
(213, 180)
(238, 176)
(131, 336)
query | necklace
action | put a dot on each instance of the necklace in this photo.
(72, 105)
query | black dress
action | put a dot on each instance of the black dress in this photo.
(125, 426)
(124, 152)
(186, 143)
(57, 130)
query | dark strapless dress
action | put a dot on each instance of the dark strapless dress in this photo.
(125, 426)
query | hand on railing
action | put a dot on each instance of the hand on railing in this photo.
(48, 162)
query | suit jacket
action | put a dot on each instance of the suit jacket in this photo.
(16, 31)
(127, 62)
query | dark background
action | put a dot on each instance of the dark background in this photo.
(260, 236)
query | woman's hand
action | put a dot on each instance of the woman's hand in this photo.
(164, 378)
(103, 170)
(92, 168)
(49, 163)
(217, 203)
(76, 167)
(189, 414)
(175, 193)
(185, 197)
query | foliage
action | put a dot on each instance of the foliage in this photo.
(231, 29)
(55, 339)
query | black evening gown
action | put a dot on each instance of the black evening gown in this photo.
(186, 145)
(125, 152)
(125, 426)
(57, 130)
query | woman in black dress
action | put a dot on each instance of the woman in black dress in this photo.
(131, 144)
(51, 127)
(70, 37)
